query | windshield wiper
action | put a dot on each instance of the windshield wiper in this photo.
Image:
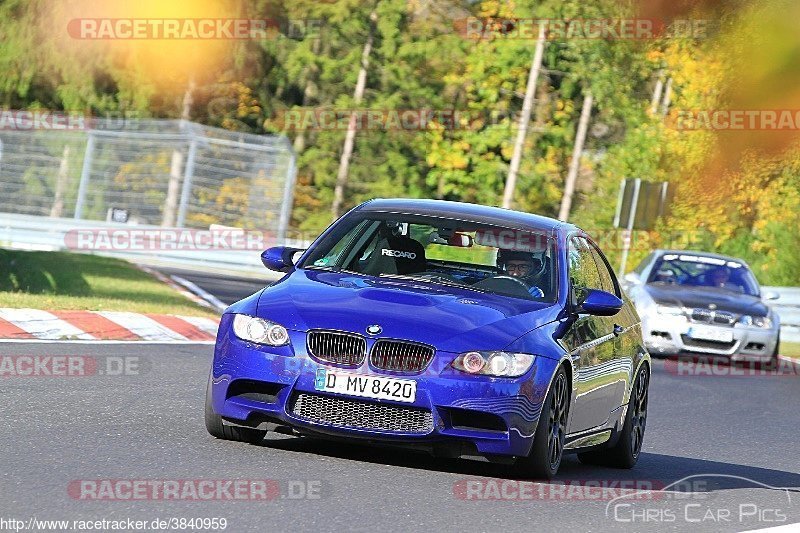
(328, 268)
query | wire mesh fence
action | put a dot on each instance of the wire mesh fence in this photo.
(161, 172)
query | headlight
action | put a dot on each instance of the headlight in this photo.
(500, 364)
(669, 310)
(258, 330)
(756, 321)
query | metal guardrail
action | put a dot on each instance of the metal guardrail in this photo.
(787, 306)
(28, 232)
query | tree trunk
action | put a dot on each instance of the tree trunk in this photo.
(524, 119)
(572, 175)
(350, 137)
(657, 90)
(308, 93)
(667, 98)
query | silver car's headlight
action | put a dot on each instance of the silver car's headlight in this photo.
(669, 310)
(260, 331)
(499, 364)
(764, 322)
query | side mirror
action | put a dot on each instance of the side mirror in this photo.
(279, 258)
(600, 303)
(770, 295)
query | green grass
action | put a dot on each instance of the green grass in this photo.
(66, 281)
(790, 349)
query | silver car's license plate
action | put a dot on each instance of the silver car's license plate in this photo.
(706, 333)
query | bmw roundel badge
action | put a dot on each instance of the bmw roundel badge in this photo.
(374, 329)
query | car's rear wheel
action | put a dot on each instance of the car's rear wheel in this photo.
(219, 430)
(625, 453)
(548, 443)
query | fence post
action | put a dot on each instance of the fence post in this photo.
(288, 196)
(187, 182)
(84, 183)
(57, 209)
(171, 202)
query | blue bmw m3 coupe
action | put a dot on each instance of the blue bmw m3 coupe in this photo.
(460, 329)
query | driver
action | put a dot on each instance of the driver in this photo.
(524, 266)
(719, 277)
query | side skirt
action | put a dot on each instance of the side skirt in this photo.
(597, 437)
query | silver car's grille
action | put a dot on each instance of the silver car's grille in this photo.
(401, 356)
(336, 347)
(345, 412)
(707, 316)
(711, 345)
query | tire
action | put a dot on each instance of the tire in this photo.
(775, 360)
(625, 453)
(219, 430)
(548, 442)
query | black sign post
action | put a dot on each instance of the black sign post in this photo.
(639, 205)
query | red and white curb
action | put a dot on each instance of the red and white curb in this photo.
(25, 325)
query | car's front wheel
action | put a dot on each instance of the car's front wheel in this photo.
(548, 442)
(219, 430)
(625, 453)
(776, 357)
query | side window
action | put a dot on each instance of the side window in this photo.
(583, 273)
(607, 277)
(347, 242)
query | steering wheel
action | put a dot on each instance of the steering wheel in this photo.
(512, 278)
(506, 285)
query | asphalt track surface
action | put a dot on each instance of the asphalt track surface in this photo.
(732, 433)
(228, 289)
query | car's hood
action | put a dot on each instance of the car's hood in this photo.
(692, 297)
(449, 318)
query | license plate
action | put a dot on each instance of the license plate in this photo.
(710, 334)
(379, 388)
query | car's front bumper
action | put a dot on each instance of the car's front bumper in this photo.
(493, 416)
(671, 335)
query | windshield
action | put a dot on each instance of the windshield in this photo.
(699, 271)
(449, 253)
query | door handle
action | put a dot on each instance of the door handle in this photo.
(618, 330)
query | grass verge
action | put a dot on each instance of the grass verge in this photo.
(790, 349)
(60, 280)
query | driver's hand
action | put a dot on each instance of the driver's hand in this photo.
(536, 292)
